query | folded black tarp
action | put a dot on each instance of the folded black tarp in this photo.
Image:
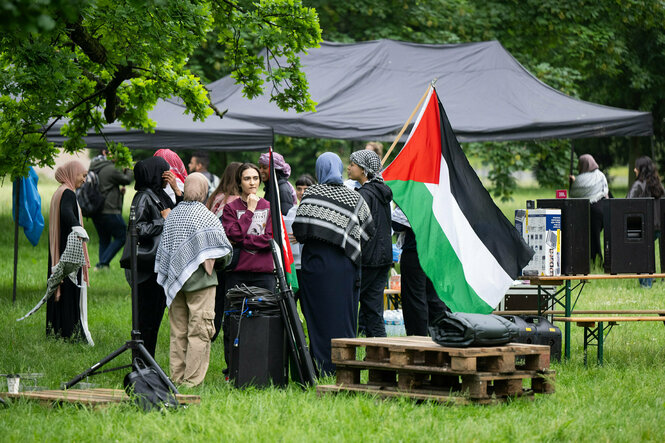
(461, 330)
(367, 91)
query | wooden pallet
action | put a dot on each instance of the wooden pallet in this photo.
(88, 397)
(418, 368)
(477, 385)
(417, 394)
(421, 353)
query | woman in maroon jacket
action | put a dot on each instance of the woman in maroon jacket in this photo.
(247, 224)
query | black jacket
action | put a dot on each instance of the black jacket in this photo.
(285, 195)
(110, 180)
(378, 251)
(149, 223)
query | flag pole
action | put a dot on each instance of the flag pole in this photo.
(422, 99)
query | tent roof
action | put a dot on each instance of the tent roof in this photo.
(368, 90)
(177, 130)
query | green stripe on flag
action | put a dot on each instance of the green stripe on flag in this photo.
(437, 256)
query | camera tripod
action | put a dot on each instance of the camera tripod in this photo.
(135, 344)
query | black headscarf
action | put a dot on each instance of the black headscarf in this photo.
(148, 175)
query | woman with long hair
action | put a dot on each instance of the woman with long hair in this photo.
(591, 184)
(226, 191)
(151, 206)
(66, 311)
(246, 221)
(648, 184)
(332, 222)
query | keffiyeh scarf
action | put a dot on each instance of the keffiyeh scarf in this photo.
(591, 185)
(335, 214)
(192, 234)
(370, 162)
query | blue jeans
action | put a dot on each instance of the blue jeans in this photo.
(112, 231)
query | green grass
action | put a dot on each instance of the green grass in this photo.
(621, 401)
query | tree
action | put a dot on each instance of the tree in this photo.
(97, 61)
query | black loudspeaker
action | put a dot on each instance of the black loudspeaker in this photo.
(538, 331)
(574, 232)
(629, 236)
(258, 351)
(546, 334)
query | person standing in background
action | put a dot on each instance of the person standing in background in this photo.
(591, 184)
(287, 194)
(647, 184)
(192, 244)
(226, 192)
(177, 168)
(365, 168)
(151, 206)
(420, 303)
(110, 225)
(303, 182)
(200, 162)
(332, 223)
(65, 315)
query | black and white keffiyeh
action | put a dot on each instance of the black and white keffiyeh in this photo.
(335, 214)
(370, 162)
(191, 235)
(71, 260)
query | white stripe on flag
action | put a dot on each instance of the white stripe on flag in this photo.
(481, 270)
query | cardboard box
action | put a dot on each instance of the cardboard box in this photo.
(541, 229)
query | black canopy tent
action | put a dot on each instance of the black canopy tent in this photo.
(177, 130)
(367, 90)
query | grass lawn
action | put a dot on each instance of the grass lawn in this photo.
(622, 401)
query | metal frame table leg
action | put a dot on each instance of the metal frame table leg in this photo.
(567, 325)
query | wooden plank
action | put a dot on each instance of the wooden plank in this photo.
(91, 397)
(585, 312)
(554, 280)
(606, 319)
(419, 395)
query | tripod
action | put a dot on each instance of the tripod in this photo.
(135, 344)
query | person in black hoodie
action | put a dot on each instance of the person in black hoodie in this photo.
(377, 255)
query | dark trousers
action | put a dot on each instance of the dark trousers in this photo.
(420, 303)
(372, 283)
(152, 303)
(596, 225)
(112, 231)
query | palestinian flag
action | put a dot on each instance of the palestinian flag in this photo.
(466, 246)
(279, 228)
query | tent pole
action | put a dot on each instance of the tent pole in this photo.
(572, 160)
(17, 208)
(422, 99)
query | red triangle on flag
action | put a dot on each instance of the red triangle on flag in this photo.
(420, 158)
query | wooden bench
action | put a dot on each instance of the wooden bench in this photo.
(594, 326)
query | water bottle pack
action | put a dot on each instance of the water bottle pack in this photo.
(394, 323)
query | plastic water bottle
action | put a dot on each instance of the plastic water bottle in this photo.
(394, 323)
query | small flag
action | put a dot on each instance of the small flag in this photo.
(466, 246)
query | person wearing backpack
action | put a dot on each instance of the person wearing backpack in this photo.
(109, 223)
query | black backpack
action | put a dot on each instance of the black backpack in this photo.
(90, 198)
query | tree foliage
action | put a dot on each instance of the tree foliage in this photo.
(93, 62)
